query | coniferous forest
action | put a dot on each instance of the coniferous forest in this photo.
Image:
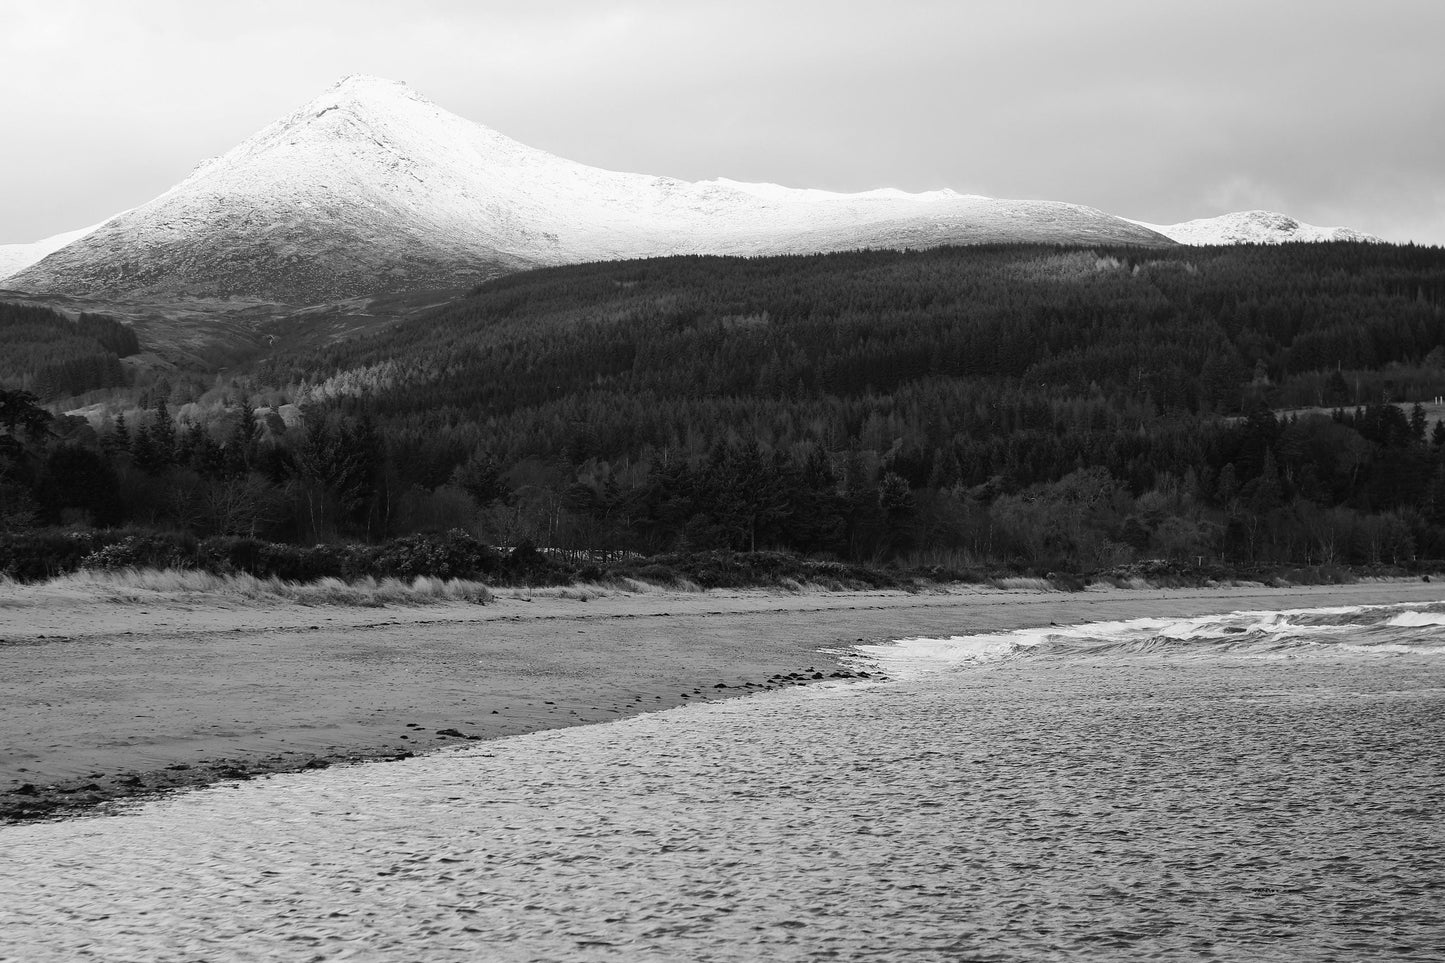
(981, 409)
(52, 357)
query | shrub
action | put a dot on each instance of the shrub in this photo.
(226, 554)
(529, 566)
(452, 554)
(31, 556)
(229, 554)
(160, 550)
(296, 563)
(743, 569)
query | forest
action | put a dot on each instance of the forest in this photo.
(56, 358)
(1007, 409)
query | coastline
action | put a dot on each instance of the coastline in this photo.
(103, 700)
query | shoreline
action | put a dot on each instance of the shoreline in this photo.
(104, 700)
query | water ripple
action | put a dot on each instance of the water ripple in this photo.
(1128, 808)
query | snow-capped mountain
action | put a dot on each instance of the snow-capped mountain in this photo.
(370, 188)
(1253, 227)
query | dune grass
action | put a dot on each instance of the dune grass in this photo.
(134, 586)
(1021, 583)
(142, 585)
(587, 591)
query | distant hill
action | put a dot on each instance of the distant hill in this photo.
(1253, 227)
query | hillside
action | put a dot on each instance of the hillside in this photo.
(955, 383)
(1188, 331)
(17, 257)
(51, 356)
(1038, 408)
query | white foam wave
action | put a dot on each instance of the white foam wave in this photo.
(1412, 619)
(1393, 648)
(913, 657)
(910, 658)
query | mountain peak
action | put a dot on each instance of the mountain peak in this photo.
(371, 83)
(372, 188)
(363, 97)
(363, 121)
(361, 90)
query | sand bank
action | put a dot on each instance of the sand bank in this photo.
(100, 699)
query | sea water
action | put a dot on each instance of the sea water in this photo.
(1257, 786)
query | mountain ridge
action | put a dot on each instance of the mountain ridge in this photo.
(1253, 227)
(372, 188)
(15, 258)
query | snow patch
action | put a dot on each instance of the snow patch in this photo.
(1252, 227)
(15, 258)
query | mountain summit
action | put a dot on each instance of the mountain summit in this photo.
(370, 188)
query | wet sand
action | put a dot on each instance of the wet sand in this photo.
(101, 700)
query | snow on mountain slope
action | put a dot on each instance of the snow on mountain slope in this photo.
(17, 257)
(370, 188)
(1253, 227)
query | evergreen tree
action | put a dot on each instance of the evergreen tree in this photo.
(1265, 493)
(240, 448)
(162, 434)
(118, 439)
(1337, 390)
(145, 453)
(481, 477)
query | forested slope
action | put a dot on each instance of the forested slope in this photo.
(1034, 406)
(46, 353)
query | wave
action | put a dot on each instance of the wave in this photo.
(1342, 631)
(1418, 618)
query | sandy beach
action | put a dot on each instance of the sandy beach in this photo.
(105, 699)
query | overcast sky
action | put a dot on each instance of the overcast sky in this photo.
(1329, 111)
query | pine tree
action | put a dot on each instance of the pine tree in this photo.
(119, 437)
(1266, 493)
(143, 451)
(481, 477)
(163, 434)
(1337, 390)
(240, 448)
